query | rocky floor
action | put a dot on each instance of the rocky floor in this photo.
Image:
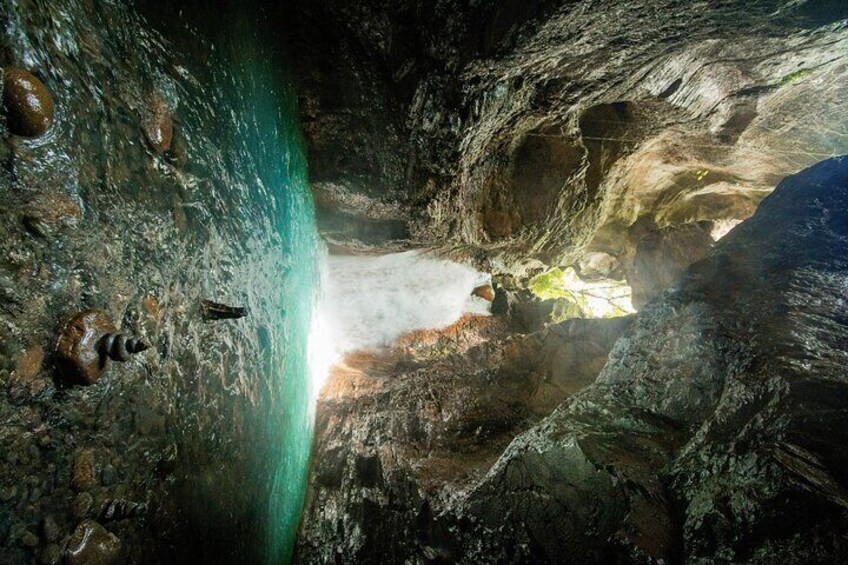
(713, 434)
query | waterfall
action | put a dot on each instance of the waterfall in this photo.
(370, 301)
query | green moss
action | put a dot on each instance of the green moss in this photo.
(578, 299)
(796, 76)
(548, 285)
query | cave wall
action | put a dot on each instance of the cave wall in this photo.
(544, 129)
(713, 433)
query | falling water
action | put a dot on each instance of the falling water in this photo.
(371, 301)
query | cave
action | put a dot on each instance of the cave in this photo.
(423, 282)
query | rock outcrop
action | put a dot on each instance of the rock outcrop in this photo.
(715, 432)
(546, 128)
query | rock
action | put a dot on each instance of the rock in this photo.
(158, 124)
(177, 155)
(83, 473)
(119, 509)
(91, 544)
(28, 365)
(151, 306)
(216, 311)
(514, 143)
(108, 476)
(486, 292)
(85, 344)
(597, 266)
(48, 213)
(78, 354)
(26, 102)
(29, 539)
(718, 414)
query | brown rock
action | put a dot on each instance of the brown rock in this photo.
(486, 292)
(83, 475)
(27, 103)
(158, 124)
(91, 544)
(29, 364)
(50, 212)
(77, 354)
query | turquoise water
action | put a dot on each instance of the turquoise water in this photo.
(268, 131)
(226, 405)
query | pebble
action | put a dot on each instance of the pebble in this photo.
(82, 505)
(27, 103)
(29, 539)
(50, 529)
(91, 544)
(51, 555)
(158, 124)
(78, 356)
(486, 292)
(83, 474)
(48, 213)
(108, 476)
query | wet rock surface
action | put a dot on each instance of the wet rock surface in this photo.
(713, 433)
(402, 434)
(94, 218)
(549, 128)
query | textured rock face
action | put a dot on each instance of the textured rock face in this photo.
(545, 128)
(715, 431)
(402, 435)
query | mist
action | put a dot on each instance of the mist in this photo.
(371, 301)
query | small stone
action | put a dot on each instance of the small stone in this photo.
(49, 213)
(82, 505)
(158, 124)
(83, 475)
(486, 292)
(28, 365)
(50, 529)
(27, 103)
(78, 354)
(51, 555)
(91, 544)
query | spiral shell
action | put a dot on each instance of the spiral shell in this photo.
(119, 347)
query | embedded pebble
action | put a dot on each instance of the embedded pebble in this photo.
(26, 103)
(91, 544)
(83, 475)
(28, 365)
(158, 124)
(48, 213)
